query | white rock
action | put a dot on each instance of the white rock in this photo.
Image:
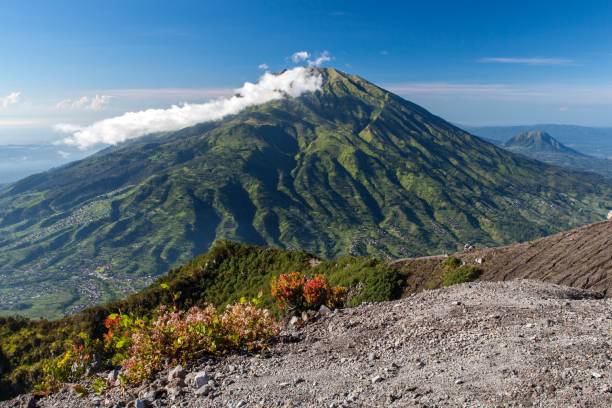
(376, 379)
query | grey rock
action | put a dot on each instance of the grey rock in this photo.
(113, 375)
(324, 310)
(139, 403)
(177, 372)
(204, 390)
(200, 379)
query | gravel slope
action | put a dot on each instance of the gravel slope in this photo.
(581, 257)
(485, 344)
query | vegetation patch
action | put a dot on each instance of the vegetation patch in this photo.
(455, 273)
(294, 293)
(206, 295)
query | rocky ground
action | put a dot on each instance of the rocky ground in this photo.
(518, 343)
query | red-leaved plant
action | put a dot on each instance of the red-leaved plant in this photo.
(294, 293)
(288, 290)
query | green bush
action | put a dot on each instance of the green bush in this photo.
(451, 263)
(462, 274)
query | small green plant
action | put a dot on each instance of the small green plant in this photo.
(99, 385)
(80, 390)
(462, 274)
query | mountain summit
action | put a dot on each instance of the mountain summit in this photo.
(347, 169)
(538, 141)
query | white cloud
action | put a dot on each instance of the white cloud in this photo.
(99, 102)
(305, 56)
(526, 61)
(264, 66)
(63, 154)
(10, 99)
(323, 57)
(300, 56)
(95, 103)
(291, 83)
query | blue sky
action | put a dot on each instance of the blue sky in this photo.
(472, 62)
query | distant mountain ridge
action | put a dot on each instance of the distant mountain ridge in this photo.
(349, 169)
(538, 141)
(542, 146)
(593, 141)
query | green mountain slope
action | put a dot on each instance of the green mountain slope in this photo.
(542, 146)
(349, 169)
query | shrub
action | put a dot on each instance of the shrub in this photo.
(462, 274)
(288, 290)
(70, 366)
(118, 337)
(174, 336)
(246, 326)
(180, 336)
(379, 285)
(451, 263)
(294, 293)
(316, 292)
(338, 297)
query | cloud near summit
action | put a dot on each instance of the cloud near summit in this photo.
(131, 125)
